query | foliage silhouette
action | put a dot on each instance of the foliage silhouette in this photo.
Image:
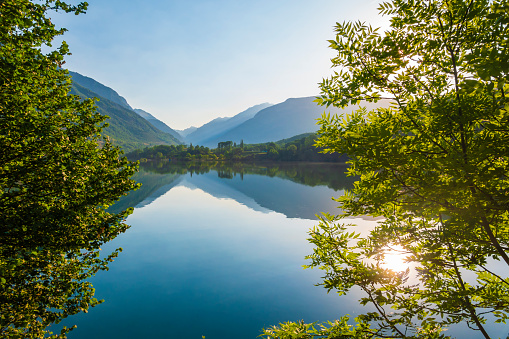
(435, 166)
(55, 180)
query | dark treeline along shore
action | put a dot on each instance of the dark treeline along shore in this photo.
(299, 148)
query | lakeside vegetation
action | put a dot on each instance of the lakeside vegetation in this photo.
(299, 148)
(434, 166)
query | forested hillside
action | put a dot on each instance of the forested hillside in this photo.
(126, 128)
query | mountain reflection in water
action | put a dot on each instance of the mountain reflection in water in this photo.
(217, 250)
(298, 190)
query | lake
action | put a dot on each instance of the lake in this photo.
(217, 250)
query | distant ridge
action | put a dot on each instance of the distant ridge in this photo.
(219, 126)
(274, 122)
(185, 132)
(158, 123)
(292, 117)
(287, 119)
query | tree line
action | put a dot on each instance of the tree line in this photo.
(295, 149)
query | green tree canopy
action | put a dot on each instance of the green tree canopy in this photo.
(57, 178)
(434, 166)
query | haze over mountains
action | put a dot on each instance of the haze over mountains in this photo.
(266, 123)
(135, 128)
(292, 117)
(187, 131)
(207, 134)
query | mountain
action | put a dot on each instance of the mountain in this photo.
(219, 126)
(136, 128)
(126, 128)
(107, 93)
(144, 114)
(292, 117)
(157, 123)
(100, 89)
(211, 128)
(185, 132)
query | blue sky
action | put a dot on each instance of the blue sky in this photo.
(190, 61)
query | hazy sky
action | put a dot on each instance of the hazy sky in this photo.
(189, 61)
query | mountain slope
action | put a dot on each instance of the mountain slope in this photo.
(220, 126)
(126, 128)
(185, 132)
(157, 123)
(292, 117)
(110, 94)
(205, 131)
(100, 89)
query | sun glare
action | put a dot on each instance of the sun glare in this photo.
(394, 259)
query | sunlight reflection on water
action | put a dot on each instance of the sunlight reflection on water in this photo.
(395, 258)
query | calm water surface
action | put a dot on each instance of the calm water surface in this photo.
(217, 251)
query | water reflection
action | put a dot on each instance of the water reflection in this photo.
(331, 175)
(298, 190)
(216, 251)
(395, 258)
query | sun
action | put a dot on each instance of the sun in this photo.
(394, 258)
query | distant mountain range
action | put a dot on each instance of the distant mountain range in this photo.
(266, 123)
(284, 120)
(210, 133)
(135, 128)
(185, 132)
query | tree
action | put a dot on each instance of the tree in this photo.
(57, 178)
(272, 154)
(434, 166)
(292, 150)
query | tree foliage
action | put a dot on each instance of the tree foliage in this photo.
(434, 166)
(55, 180)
